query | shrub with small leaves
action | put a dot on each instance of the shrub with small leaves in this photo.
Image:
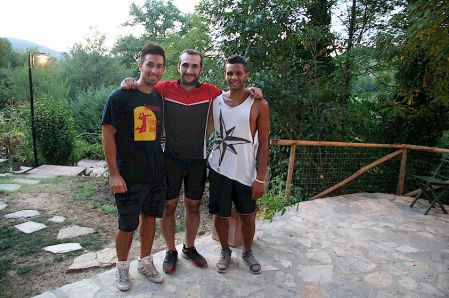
(54, 130)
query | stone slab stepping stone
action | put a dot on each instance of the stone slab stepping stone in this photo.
(63, 248)
(74, 231)
(10, 187)
(23, 214)
(30, 227)
(26, 181)
(53, 171)
(57, 219)
(22, 170)
(3, 205)
(102, 259)
(90, 163)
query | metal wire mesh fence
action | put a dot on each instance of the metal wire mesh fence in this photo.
(318, 166)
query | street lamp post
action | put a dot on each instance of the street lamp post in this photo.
(42, 59)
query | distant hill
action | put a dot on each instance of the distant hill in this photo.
(20, 45)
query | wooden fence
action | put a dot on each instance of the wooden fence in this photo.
(403, 150)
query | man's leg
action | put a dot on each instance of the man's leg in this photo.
(168, 223)
(145, 264)
(222, 228)
(123, 242)
(248, 230)
(147, 231)
(192, 220)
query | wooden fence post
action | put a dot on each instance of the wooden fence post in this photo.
(291, 164)
(401, 181)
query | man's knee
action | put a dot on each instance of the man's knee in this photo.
(170, 207)
(192, 206)
(248, 220)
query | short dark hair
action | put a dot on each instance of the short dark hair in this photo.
(236, 59)
(192, 52)
(151, 48)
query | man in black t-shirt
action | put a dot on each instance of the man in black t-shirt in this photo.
(131, 130)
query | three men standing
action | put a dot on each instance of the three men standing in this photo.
(131, 136)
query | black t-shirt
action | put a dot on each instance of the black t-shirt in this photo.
(137, 116)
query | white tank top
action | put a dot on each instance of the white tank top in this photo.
(234, 151)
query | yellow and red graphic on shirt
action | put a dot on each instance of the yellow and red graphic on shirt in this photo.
(145, 123)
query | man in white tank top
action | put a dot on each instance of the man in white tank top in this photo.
(238, 161)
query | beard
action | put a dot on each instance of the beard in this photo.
(184, 80)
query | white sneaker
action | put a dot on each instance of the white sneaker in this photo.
(122, 275)
(146, 267)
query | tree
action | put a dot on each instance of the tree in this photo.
(5, 52)
(88, 66)
(418, 109)
(158, 17)
(361, 21)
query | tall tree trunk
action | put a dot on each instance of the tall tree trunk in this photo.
(347, 65)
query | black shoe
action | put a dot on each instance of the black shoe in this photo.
(191, 253)
(169, 265)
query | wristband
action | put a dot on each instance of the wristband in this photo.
(261, 182)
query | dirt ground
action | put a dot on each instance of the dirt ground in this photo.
(65, 197)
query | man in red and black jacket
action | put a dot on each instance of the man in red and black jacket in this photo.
(186, 108)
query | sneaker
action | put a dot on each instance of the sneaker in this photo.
(146, 267)
(191, 253)
(169, 265)
(253, 264)
(224, 260)
(122, 275)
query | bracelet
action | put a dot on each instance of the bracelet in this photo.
(261, 182)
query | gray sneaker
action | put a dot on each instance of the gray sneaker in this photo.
(122, 275)
(224, 260)
(146, 267)
(253, 264)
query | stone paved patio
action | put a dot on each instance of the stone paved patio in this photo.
(360, 245)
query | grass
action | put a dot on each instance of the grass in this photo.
(22, 258)
(86, 192)
(179, 225)
(27, 269)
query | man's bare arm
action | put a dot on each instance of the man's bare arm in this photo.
(263, 128)
(116, 181)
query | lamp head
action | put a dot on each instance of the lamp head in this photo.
(42, 58)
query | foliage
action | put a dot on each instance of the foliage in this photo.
(5, 52)
(158, 18)
(87, 67)
(54, 130)
(417, 110)
(87, 108)
(275, 201)
(15, 133)
(48, 81)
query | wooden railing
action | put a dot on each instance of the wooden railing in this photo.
(402, 149)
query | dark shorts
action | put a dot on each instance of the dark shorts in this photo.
(224, 191)
(193, 172)
(140, 198)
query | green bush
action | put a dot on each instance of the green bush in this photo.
(87, 109)
(275, 200)
(54, 130)
(15, 133)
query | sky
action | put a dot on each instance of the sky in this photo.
(58, 24)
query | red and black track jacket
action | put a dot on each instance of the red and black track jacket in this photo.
(185, 117)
